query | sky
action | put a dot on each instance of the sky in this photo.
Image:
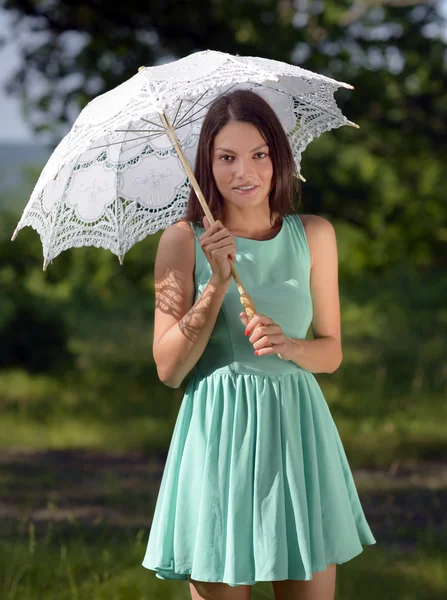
(12, 124)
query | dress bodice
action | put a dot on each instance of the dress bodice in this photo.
(276, 273)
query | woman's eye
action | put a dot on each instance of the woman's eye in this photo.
(224, 157)
(261, 154)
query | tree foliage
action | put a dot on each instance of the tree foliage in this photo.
(385, 179)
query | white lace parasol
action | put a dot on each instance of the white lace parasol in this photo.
(117, 177)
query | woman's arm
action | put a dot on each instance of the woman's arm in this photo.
(181, 329)
(323, 354)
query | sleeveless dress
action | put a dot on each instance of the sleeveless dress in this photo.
(256, 485)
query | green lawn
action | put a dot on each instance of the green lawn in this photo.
(98, 563)
(75, 526)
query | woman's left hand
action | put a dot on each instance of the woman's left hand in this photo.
(267, 336)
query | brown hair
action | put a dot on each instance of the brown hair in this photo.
(248, 107)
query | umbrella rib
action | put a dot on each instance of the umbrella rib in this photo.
(147, 138)
(191, 108)
(152, 123)
(181, 122)
(159, 131)
(189, 122)
(143, 137)
(178, 110)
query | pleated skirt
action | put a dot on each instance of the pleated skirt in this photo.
(256, 485)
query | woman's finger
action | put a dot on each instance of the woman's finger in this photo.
(243, 317)
(262, 330)
(261, 318)
(266, 351)
(211, 238)
(254, 321)
(268, 341)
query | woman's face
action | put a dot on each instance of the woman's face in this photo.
(241, 164)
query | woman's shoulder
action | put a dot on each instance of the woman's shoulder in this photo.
(320, 234)
(177, 238)
(315, 222)
(180, 230)
(316, 226)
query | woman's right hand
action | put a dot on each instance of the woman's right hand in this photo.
(220, 248)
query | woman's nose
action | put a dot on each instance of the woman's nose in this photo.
(243, 167)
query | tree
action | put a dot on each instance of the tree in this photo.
(385, 180)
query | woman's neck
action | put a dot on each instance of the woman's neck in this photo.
(260, 231)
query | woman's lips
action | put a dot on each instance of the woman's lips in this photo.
(245, 192)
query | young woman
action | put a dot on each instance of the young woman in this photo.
(257, 486)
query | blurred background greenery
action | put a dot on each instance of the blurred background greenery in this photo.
(78, 385)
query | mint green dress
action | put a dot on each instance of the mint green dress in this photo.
(256, 485)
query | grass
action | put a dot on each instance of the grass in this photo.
(392, 574)
(139, 433)
(100, 563)
(404, 437)
(76, 522)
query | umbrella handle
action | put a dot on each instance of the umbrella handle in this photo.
(244, 297)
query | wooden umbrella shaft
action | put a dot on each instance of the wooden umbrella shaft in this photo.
(245, 298)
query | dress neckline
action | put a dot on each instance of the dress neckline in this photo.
(280, 232)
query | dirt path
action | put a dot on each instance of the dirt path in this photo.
(403, 504)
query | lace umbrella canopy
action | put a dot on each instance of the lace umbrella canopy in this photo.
(125, 168)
